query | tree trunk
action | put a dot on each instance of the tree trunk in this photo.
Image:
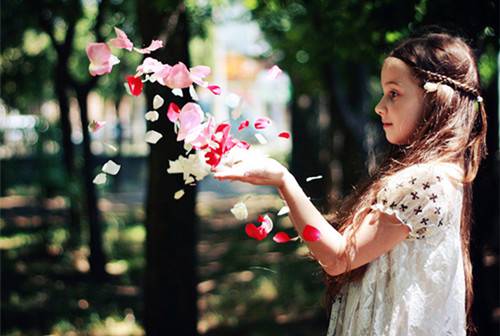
(171, 234)
(97, 258)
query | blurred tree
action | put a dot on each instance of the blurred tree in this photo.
(170, 282)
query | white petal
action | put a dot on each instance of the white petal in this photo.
(177, 92)
(127, 89)
(100, 179)
(152, 137)
(283, 211)
(233, 100)
(262, 140)
(178, 194)
(113, 148)
(190, 179)
(310, 178)
(193, 93)
(239, 210)
(152, 116)
(111, 167)
(157, 102)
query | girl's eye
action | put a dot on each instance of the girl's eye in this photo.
(393, 94)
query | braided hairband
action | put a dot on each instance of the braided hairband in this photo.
(437, 79)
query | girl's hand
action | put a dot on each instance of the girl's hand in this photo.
(264, 171)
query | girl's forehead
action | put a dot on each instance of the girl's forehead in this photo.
(395, 70)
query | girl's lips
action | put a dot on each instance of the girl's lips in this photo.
(386, 124)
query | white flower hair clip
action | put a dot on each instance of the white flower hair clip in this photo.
(432, 87)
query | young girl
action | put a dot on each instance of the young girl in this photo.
(396, 254)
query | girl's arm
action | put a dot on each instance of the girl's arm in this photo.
(377, 233)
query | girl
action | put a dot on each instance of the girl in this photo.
(396, 254)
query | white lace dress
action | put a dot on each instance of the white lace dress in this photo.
(418, 287)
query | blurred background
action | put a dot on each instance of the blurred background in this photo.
(125, 257)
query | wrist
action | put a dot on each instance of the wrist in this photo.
(286, 181)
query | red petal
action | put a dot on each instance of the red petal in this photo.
(135, 85)
(243, 125)
(255, 232)
(215, 89)
(281, 237)
(261, 219)
(243, 144)
(262, 123)
(310, 233)
(173, 112)
(284, 135)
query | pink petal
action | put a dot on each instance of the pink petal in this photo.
(262, 123)
(101, 59)
(273, 72)
(311, 234)
(281, 237)
(215, 89)
(121, 41)
(243, 125)
(284, 135)
(173, 112)
(243, 144)
(190, 118)
(178, 77)
(155, 44)
(198, 73)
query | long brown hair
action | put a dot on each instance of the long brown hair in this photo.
(453, 129)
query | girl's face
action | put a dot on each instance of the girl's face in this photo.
(401, 107)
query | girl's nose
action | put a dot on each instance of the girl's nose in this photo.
(380, 107)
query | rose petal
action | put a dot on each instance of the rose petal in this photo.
(177, 92)
(135, 85)
(273, 72)
(255, 232)
(157, 102)
(215, 89)
(99, 179)
(262, 140)
(95, 125)
(178, 194)
(283, 211)
(190, 119)
(152, 137)
(152, 116)
(239, 210)
(311, 178)
(193, 93)
(281, 237)
(262, 123)
(121, 41)
(178, 77)
(173, 112)
(111, 167)
(284, 135)
(311, 234)
(101, 59)
(243, 125)
(154, 45)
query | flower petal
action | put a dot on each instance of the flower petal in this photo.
(283, 211)
(154, 45)
(255, 232)
(311, 178)
(152, 116)
(310, 233)
(177, 92)
(135, 85)
(121, 41)
(152, 137)
(243, 125)
(99, 179)
(178, 194)
(215, 89)
(281, 237)
(178, 77)
(192, 92)
(173, 112)
(95, 125)
(284, 135)
(273, 72)
(111, 167)
(239, 210)
(261, 139)
(157, 102)
(262, 123)
(101, 59)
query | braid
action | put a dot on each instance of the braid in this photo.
(450, 81)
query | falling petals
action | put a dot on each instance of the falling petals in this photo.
(173, 112)
(178, 194)
(157, 102)
(199, 72)
(190, 119)
(215, 89)
(258, 233)
(95, 125)
(243, 125)
(311, 178)
(135, 85)
(262, 123)
(273, 72)
(283, 211)
(261, 139)
(101, 59)
(281, 237)
(239, 210)
(111, 167)
(177, 92)
(121, 41)
(192, 92)
(178, 77)
(99, 179)
(284, 135)
(152, 116)
(311, 234)
(152, 137)
(155, 44)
